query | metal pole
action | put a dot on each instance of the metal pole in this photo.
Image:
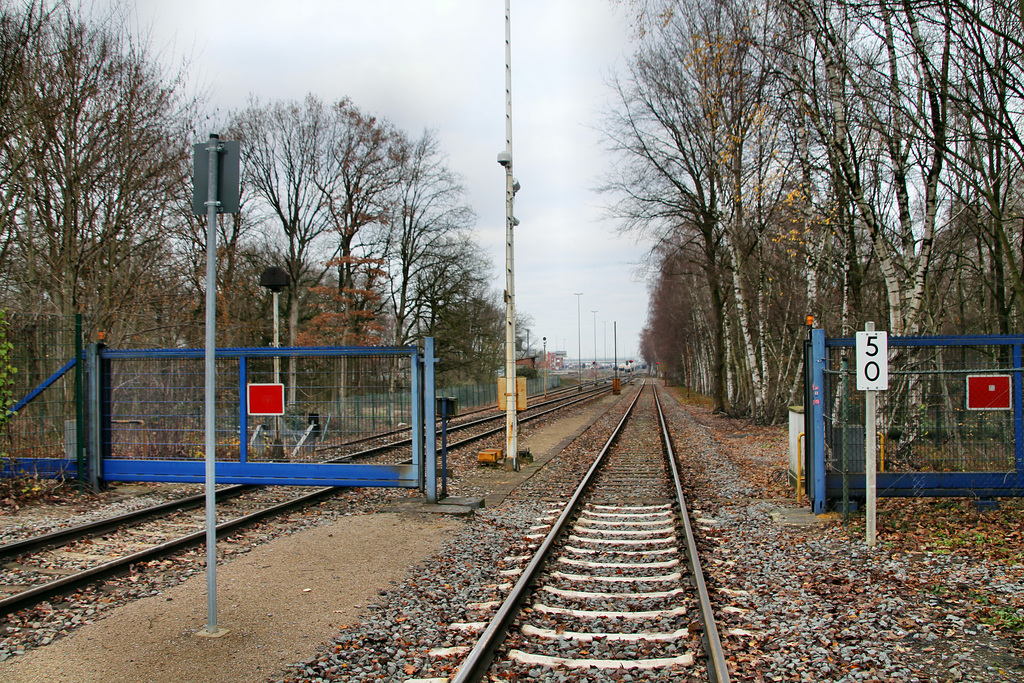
(869, 455)
(79, 404)
(579, 341)
(213, 148)
(595, 345)
(277, 338)
(430, 419)
(545, 367)
(511, 425)
(277, 363)
(844, 415)
(444, 448)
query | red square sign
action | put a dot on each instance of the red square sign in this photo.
(988, 392)
(265, 399)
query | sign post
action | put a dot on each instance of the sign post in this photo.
(872, 376)
(215, 164)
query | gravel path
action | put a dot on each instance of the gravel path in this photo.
(811, 602)
(279, 600)
(799, 598)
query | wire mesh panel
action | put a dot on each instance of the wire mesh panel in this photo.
(43, 428)
(329, 401)
(155, 408)
(951, 408)
(155, 404)
(473, 395)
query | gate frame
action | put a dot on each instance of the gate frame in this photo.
(101, 467)
(821, 483)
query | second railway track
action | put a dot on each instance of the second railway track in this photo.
(38, 568)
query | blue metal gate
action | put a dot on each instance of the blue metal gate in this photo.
(932, 442)
(144, 417)
(147, 419)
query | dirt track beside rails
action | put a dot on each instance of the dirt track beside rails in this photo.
(280, 601)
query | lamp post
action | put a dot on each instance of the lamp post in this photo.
(595, 345)
(579, 343)
(511, 187)
(545, 366)
(275, 279)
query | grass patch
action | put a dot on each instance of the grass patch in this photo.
(690, 397)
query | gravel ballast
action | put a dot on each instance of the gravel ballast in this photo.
(798, 598)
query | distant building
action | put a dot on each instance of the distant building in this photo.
(528, 362)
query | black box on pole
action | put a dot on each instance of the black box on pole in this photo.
(228, 176)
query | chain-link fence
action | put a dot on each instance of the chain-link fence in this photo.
(46, 425)
(156, 403)
(151, 403)
(472, 396)
(924, 421)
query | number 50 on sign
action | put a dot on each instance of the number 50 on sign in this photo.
(872, 361)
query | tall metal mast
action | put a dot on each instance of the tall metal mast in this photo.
(505, 159)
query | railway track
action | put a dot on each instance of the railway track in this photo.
(41, 567)
(472, 426)
(615, 580)
(487, 413)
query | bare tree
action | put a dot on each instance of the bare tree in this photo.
(897, 78)
(427, 246)
(672, 132)
(101, 132)
(282, 145)
(987, 153)
(362, 159)
(18, 30)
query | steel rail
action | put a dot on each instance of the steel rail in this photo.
(60, 586)
(69, 534)
(64, 536)
(73, 533)
(552, 396)
(527, 418)
(718, 670)
(561, 401)
(477, 662)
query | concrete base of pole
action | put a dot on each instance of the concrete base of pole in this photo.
(219, 633)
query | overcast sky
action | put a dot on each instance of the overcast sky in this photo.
(440, 64)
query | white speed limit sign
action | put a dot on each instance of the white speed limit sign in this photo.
(872, 361)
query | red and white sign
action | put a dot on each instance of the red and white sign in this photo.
(988, 392)
(265, 399)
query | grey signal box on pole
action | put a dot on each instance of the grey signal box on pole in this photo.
(227, 177)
